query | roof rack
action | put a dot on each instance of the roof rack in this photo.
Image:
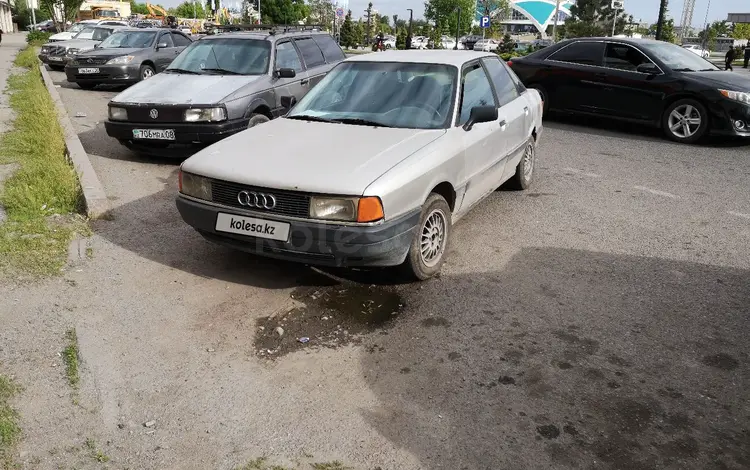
(271, 28)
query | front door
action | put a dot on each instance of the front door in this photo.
(287, 57)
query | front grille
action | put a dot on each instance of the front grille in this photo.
(56, 50)
(91, 61)
(287, 202)
(166, 113)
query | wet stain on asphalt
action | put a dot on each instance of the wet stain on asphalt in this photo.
(436, 321)
(327, 317)
(721, 361)
(548, 431)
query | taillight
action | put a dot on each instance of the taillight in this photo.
(510, 63)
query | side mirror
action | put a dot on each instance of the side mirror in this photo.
(480, 114)
(648, 68)
(285, 73)
(162, 45)
(288, 101)
(96, 46)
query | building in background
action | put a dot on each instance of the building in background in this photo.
(738, 17)
(529, 16)
(6, 17)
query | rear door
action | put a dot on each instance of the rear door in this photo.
(314, 62)
(287, 57)
(165, 51)
(180, 42)
(332, 52)
(575, 79)
(629, 93)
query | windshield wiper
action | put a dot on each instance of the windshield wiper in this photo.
(224, 71)
(191, 72)
(307, 117)
(361, 122)
(684, 70)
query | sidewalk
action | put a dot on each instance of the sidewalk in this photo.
(10, 46)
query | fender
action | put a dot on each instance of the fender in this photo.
(255, 104)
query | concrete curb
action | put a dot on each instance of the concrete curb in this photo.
(94, 196)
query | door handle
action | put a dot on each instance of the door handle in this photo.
(304, 81)
(526, 110)
(503, 123)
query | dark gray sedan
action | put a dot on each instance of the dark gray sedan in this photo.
(128, 56)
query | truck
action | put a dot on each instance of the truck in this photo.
(104, 10)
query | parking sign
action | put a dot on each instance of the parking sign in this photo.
(485, 23)
(340, 12)
(617, 5)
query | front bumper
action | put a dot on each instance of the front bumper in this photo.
(723, 116)
(189, 137)
(106, 75)
(323, 244)
(55, 60)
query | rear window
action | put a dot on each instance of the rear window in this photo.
(581, 52)
(331, 51)
(311, 53)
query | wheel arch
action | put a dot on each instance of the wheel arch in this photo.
(669, 101)
(447, 191)
(259, 106)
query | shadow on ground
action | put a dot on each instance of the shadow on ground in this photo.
(569, 359)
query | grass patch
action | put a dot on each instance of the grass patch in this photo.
(335, 465)
(95, 453)
(9, 429)
(45, 183)
(70, 356)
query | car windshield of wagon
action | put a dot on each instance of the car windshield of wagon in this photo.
(129, 40)
(231, 56)
(92, 32)
(389, 94)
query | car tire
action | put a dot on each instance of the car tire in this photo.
(524, 175)
(87, 86)
(146, 72)
(686, 111)
(436, 220)
(256, 119)
(545, 98)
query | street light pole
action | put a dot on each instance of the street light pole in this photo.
(554, 25)
(408, 35)
(614, 22)
(458, 27)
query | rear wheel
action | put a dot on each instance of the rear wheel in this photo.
(87, 86)
(427, 251)
(525, 168)
(256, 119)
(685, 121)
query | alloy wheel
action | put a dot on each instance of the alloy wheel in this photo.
(147, 73)
(528, 161)
(684, 121)
(432, 240)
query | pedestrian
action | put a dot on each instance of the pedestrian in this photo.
(728, 59)
(747, 54)
(2, 32)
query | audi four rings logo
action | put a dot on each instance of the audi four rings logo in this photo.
(153, 113)
(258, 200)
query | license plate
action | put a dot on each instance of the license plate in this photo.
(154, 134)
(89, 70)
(252, 227)
(55, 58)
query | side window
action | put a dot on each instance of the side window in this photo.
(331, 51)
(287, 57)
(311, 53)
(166, 38)
(504, 86)
(475, 91)
(180, 40)
(581, 52)
(623, 57)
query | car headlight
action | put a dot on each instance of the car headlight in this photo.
(195, 186)
(205, 114)
(349, 209)
(741, 96)
(125, 59)
(45, 50)
(73, 51)
(118, 114)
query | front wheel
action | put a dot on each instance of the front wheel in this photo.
(257, 119)
(147, 72)
(685, 121)
(427, 251)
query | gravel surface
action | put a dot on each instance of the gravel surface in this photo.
(598, 320)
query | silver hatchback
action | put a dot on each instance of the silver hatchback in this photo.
(218, 86)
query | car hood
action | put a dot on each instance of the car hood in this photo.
(314, 157)
(177, 88)
(77, 43)
(64, 36)
(732, 80)
(113, 52)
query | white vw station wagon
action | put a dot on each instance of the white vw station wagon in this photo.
(373, 166)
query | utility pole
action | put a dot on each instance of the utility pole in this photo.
(259, 21)
(458, 27)
(32, 5)
(369, 17)
(554, 25)
(408, 34)
(614, 22)
(660, 23)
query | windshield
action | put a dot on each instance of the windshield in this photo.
(107, 13)
(76, 28)
(390, 94)
(94, 33)
(231, 56)
(129, 40)
(678, 58)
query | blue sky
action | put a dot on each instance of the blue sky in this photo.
(647, 10)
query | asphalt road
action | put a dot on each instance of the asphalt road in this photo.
(598, 320)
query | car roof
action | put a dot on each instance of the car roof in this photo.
(264, 34)
(625, 40)
(444, 57)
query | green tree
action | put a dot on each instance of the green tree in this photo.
(594, 18)
(347, 31)
(359, 33)
(444, 13)
(741, 31)
(283, 11)
(138, 8)
(68, 8)
(185, 10)
(321, 12)
(667, 31)
(401, 39)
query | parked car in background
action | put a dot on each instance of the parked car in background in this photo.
(57, 54)
(697, 50)
(44, 26)
(652, 82)
(377, 163)
(447, 42)
(486, 45)
(219, 86)
(127, 56)
(389, 42)
(469, 41)
(419, 42)
(72, 31)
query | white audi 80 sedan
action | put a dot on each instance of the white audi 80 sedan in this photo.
(373, 166)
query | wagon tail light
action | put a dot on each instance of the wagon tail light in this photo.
(510, 63)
